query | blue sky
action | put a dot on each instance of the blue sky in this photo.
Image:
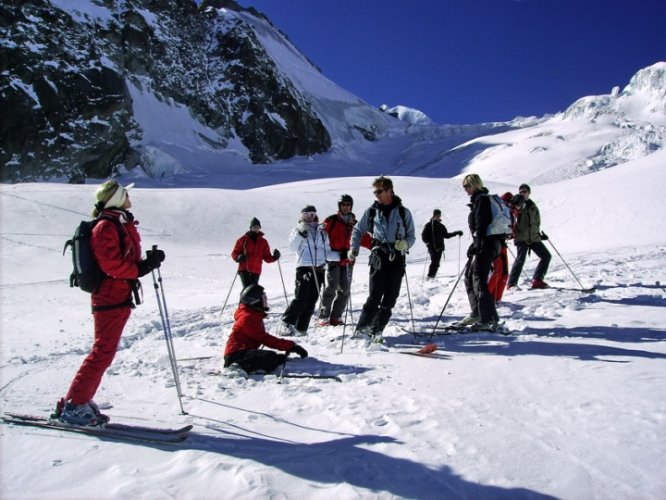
(471, 61)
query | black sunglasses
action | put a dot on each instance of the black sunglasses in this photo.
(379, 191)
(467, 186)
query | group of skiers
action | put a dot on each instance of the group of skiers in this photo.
(325, 255)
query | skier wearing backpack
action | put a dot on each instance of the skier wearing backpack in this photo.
(250, 251)
(433, 235)
(528, 237)
(339, 227)
(249, 334)
(121, 263)
(481, 253)
(391, 227)
(310, 242)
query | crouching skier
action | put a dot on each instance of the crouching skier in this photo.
(116, 246)
(249, 333)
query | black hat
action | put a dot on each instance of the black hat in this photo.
(252, 295)
(309, 208)
(437, 211)
(255, 222)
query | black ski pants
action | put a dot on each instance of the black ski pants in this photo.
(335, 295)
(252, 360)
(248, 278)
(481, 301)
(386, 272)
(305, 299)
(435, 259)
(521, 254)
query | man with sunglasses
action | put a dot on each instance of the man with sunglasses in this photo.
(528, 237)
(391, 227)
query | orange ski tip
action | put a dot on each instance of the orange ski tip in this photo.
(428, 348)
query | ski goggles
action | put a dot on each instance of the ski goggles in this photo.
(308, 216)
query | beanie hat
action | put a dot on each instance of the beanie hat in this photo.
(111, 195)
(255, 222)
(437, 211)
(309, 208)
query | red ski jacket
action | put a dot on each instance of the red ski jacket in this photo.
(256, 252)
(118, 262)
(249, 332)
(339, 236)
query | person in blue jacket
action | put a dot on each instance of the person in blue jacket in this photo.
(391, 229)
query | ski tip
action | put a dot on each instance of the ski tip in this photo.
(428, 348)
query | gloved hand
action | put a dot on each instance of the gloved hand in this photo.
(352, 255)
(459, 233)
(401, 245)
(153, 260)
(343, 254)
(276, 254)
(298, 350)
(156, 257)
(544, 236)
(303, 229)
(241, 258)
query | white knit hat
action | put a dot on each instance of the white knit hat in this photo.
(117, 200)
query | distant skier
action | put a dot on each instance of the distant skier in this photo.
(310, 242)
(481, 253)
(528, 237)
(250, 251)
(391, 228)
(111, 301)
(433, 235)
(249, 334)
(339, 227)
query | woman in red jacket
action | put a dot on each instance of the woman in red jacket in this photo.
(116, 245)
(249, 333)
(250, 251)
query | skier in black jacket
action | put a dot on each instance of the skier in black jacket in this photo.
(433, 235)
(481, 254)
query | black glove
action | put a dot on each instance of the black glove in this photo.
(152, 261)
(276, 254)
(343, 254)
(298, 350)
(156, 257)
(241, 258)
(459, 233)
(544, 236)
(471, 251)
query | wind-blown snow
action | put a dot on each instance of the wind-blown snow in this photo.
(571, 406)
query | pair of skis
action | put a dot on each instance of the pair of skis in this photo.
(125, 432)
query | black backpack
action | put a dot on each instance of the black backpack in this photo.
(87, 274)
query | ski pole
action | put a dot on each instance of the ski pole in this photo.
(350, 273)
(560, 256)
(448, 299)
(229, 294)
(409, 299)
(284, 288)
(166, 325)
